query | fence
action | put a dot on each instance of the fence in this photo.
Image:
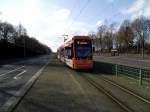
(139, 74)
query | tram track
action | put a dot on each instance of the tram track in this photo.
(107, 93)
(142, 98)
(120, 95)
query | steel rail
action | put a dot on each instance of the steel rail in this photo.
(107, 93)
(125, 89)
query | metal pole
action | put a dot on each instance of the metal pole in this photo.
(140, 77)
(116, 67)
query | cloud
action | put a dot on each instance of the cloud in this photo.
(79, 28)
(99, 22)
(147, 11)
(46, 25)
(138, 8)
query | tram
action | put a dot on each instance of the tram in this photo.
(76, 52)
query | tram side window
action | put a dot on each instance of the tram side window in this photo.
(72, 53)
(68, 53)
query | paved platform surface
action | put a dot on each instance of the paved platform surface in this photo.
(60, 89)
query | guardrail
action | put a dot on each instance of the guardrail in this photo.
(137, 73)
(141, 75)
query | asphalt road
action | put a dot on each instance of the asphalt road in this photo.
(125, 60)
(14, 75)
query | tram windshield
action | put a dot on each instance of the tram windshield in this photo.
(83, 49)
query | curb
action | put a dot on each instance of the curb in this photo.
(10, 105)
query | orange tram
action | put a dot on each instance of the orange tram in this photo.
(76, 52)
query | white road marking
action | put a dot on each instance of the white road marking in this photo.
(11, 71)
(16, 77)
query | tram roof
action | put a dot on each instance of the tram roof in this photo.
(70, 40)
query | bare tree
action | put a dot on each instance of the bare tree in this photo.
(21, 35)
(6, 31)
(125, 35)
(112, 31)
(92, 35)
(100, 35)
(12, 42)
(108, 41)
(21, 30)
(141, 27)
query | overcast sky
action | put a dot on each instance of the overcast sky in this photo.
(48, 20)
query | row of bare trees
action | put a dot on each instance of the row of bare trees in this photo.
(15, 42)
(130, 37)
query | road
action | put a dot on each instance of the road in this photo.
(65, 85)
(125, 60)
(61, 89)
(13, 76)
